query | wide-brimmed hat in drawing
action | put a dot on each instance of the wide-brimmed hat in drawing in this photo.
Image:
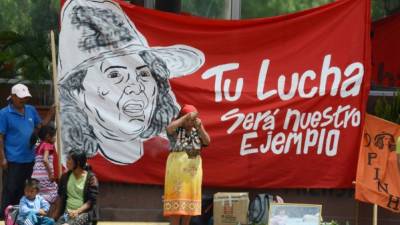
(94, 30)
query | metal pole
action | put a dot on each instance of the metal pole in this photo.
(149, 4)
(232, 9)
(236, 8)
(228, 10)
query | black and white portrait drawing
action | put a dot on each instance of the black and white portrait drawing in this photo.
(114, 87)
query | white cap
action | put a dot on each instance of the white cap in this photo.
(20, 90)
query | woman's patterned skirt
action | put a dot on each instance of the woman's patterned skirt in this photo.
(182, 190)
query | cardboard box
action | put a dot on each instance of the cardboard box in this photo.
(230, 208)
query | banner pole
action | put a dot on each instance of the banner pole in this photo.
(56, 100)
(357, 212)
(375, 215)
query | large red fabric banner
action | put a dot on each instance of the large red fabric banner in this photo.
(386, 52)
(282, 98)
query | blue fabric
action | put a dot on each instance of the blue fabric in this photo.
(17, 129)
(34, 219)
(27, 207)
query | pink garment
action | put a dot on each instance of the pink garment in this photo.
(10, 215)
(48, 188)
(45, 146)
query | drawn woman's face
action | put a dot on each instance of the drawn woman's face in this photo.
(387, 140)
(121, 93)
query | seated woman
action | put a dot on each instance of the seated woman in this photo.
(77, 193)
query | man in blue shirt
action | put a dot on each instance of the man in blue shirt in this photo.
(18, 122)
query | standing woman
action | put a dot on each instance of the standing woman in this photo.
(77, 193)
(184, 173)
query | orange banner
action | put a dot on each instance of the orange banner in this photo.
(378, 174)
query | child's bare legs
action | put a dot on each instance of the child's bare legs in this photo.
(175, 220)
(186, 220)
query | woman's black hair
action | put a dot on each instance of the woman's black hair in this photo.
(79, 158)
(165, 109)
(45, 131)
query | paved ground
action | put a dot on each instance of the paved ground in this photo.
(130, 223)
(120, 223)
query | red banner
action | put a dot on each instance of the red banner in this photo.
(386, 52)
(282, 98)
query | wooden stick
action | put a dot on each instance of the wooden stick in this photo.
(56, 101)
(375, 215)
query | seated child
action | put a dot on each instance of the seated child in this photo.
(32, 207)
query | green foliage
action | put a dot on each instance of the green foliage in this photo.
(377, 9)
(25, 26)
(249, 8)
(210, 8)
(25, 57)
(24, 38)
(389, 109)
(14, 15)
(261, 8)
